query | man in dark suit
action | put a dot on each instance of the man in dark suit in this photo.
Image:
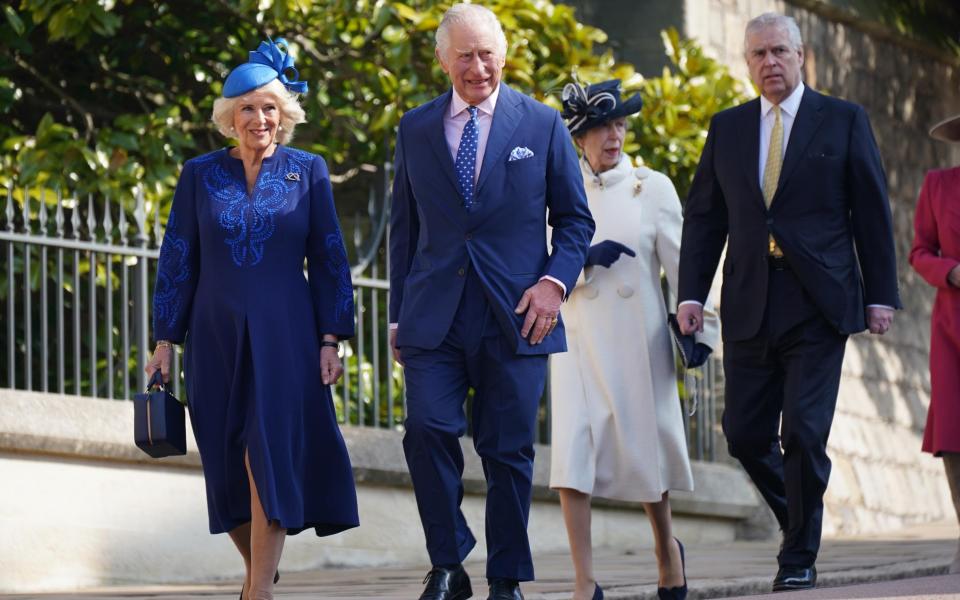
(792, 182)
(475, 295)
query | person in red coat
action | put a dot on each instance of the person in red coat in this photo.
(936, 257)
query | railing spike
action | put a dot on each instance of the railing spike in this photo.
(42, 214)
(26, 211)
(156, 226)
(10, 212)
(122, 224)
(140, 215)
(58, 216)
(107, 219)
(91, 219)
(75, 219)
(357, 234)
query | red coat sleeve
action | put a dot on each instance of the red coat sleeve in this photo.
(925, 254)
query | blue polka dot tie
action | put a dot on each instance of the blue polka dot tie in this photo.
(466, 164)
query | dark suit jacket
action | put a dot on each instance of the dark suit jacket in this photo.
(434, 239)
(830, 216)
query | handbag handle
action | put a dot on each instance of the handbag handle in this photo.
(156, 381)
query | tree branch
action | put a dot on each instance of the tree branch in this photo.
(299, 34)
(70, 100)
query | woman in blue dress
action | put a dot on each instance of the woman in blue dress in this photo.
(260, 339)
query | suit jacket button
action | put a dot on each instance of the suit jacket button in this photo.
(460, 271)
(769, 221)
(590, 291)
(625, 291)
(468, 237)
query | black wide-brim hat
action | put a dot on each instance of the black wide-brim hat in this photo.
(947, 130)
(593, 106)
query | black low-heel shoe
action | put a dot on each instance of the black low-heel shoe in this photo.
(679, 592)
(276, 578)
(597, 592)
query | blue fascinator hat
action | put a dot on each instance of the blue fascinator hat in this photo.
(268, 62)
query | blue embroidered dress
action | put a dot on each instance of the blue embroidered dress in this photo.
(230, 283)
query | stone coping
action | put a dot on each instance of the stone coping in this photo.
(78, 427)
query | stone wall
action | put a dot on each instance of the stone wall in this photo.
(880, 478)
(633, 28)
(82, 506)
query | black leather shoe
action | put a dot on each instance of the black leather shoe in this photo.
(597, 592)
(795, 578)
(447, 584)
(679, 592)
(504, 589)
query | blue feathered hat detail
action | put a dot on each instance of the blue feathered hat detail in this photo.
(268, 62)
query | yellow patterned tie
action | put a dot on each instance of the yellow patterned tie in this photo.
(771, 172)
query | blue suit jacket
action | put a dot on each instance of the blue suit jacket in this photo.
(434, 240)
(830, 216)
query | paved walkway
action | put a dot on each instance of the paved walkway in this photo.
(736, 569)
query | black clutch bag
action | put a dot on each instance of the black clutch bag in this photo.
(159, 426)
(692, 354)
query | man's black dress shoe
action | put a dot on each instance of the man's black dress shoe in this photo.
(795, 578)
(679, 592)
(504, 589)
(447, 584)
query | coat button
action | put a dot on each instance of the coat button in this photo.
(460, 271)
(625, 291)
(590, 291)
(468, 237)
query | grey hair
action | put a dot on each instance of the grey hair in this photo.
(291, 113)
(468, 14)
(782, 22)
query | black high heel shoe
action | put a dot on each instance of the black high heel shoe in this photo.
(276, 578)
(597, 592)
(679, 592)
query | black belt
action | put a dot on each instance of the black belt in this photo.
(778, 263)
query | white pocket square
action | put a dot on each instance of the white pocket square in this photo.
(519, 153)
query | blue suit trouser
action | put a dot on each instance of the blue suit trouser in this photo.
(507, 389)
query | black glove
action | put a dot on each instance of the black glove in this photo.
(701, 352)
(606, 253)
(692, 353)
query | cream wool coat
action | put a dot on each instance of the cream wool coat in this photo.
(617, 423)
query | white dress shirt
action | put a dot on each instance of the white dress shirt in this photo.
(456, 119)
(788, 112)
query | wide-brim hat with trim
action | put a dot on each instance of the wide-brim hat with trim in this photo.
(947, 130)
(586, 108)
(269, 61)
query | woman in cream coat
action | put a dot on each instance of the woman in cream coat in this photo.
(617, 424)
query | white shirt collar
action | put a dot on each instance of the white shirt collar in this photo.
(790, 105)
(458, 104)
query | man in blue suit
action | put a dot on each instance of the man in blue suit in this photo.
(475, 293)
(793, 184)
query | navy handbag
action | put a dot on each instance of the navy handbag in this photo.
(159, 428)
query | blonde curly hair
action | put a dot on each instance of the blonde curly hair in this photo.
(291, 113)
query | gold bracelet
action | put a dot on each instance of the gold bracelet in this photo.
(164, 343)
